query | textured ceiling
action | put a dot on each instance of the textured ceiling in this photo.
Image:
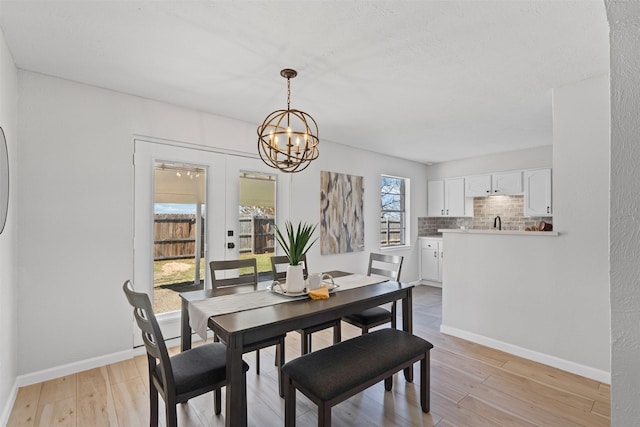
(429, 81)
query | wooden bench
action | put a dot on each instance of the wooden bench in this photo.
(333, 374)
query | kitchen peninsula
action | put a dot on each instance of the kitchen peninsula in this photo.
(543, 297)
(500, 232)
(499, 289)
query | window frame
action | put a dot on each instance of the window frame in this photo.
(403, 212)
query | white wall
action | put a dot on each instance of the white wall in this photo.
(9, 237)
(531, 158)
(624, 21)
(76, 203)
(546, 298)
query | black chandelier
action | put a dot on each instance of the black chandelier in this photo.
(288, 139)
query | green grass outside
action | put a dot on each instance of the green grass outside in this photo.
(169, 272)
(263, 261)
(183, 270)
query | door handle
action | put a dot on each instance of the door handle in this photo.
(231, 245)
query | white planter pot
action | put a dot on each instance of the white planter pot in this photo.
(295, 278)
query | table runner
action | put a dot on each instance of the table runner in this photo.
(200, 311)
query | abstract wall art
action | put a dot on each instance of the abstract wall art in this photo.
(341, 213)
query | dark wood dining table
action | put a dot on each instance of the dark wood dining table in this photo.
(239, 330)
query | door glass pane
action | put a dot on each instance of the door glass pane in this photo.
(257, 213)
(178, 232)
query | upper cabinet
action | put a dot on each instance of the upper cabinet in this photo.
(445, 197)
(478, 185)
(453, 197)
(502, 183)
(435, 198)
(537, 194)
(506, 183)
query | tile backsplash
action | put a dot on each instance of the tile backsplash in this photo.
(485, 209)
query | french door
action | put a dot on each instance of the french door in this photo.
(228, 194)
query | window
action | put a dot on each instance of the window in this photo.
(393, 210)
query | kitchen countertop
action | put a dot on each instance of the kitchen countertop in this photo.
(431, 235)
(503, 232)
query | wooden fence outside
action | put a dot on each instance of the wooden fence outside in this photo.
(390, 232)
(175, 236)
(257, 234)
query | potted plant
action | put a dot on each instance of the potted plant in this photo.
(295, 243)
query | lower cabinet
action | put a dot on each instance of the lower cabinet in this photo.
(431, 259)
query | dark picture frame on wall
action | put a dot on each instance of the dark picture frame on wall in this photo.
(4, 180)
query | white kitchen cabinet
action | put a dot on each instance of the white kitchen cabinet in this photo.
(431, 259)
(445, 197)
(506, 183)
(502, 183)
(435, 198)
(537, 192)
(477, 186)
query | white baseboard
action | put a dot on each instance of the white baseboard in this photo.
(426, 283)
(72, 368)
(546, 359)
(429, 283)
(8, 405)
(83, 365)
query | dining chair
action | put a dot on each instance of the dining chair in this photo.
(180, 377)
(382, 265)
(245, 282)
(278, 268)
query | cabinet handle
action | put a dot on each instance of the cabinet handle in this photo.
(441, 211)
(488, 191)
(441, 254)
(495, 191)
(548, 209)
(447, 211)
(435, 254)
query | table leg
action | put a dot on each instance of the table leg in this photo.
(236, 404)
(407, 325)
(185, 335)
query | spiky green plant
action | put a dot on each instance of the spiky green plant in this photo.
(296, 243)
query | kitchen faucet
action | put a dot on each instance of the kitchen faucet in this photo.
(497, 221)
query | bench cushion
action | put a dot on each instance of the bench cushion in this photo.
(335, 370)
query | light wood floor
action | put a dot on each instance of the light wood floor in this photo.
(471, 385)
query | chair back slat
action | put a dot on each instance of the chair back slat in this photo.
(279, 266)
(219, 268)
(151, 333)
(385, 265)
